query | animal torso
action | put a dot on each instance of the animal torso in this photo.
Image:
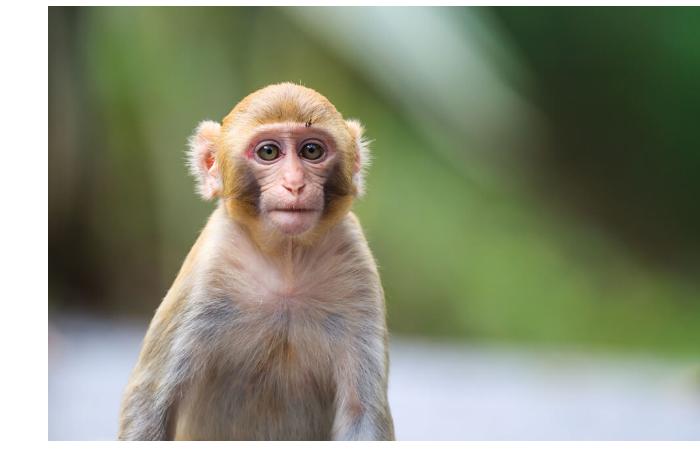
(265, 334)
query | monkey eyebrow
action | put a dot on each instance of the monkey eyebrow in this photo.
(308, 123)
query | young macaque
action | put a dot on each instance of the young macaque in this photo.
(275, 328)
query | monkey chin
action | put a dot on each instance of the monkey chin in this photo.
(293, 222)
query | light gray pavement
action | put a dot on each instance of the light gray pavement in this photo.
(436, 391)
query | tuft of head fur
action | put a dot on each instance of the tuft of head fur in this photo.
(284, 102)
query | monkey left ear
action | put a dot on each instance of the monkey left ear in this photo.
(362, 154)
(201, 158)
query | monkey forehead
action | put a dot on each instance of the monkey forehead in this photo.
(284, 102)
(291, 131)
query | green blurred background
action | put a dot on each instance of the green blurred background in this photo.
(536, 171)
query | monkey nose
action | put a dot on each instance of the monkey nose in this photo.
(294, 189)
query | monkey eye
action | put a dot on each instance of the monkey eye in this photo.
(268, 152)
(311, 151)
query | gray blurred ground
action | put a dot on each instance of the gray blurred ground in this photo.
(437, 391)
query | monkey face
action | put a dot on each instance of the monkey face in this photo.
(291, 165)
(284, 161)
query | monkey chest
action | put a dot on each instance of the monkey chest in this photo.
(270, 376)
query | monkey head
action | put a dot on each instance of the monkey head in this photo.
(284, 162)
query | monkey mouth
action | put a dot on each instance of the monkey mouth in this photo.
(295, 210)
(292, 220)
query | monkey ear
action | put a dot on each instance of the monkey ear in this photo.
(201, 159)
(362, 154)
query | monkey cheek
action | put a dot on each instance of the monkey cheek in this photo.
(294, 223)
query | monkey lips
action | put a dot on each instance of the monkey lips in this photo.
(293, 220)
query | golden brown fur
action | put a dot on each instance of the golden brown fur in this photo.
(265, 335)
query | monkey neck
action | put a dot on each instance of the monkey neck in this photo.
(277, 246)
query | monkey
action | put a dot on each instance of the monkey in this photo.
(275, 326)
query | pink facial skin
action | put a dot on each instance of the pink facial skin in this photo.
(291, 186)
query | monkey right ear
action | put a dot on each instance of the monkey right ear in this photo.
(201, 159)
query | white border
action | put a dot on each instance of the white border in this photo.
(390, 3)
(24, 95)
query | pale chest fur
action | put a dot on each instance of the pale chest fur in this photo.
(271, 333)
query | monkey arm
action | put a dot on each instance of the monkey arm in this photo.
(145, 409)
(362, 409)
(149, 394)
(146, 412)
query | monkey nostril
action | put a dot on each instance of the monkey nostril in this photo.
(294, 189)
